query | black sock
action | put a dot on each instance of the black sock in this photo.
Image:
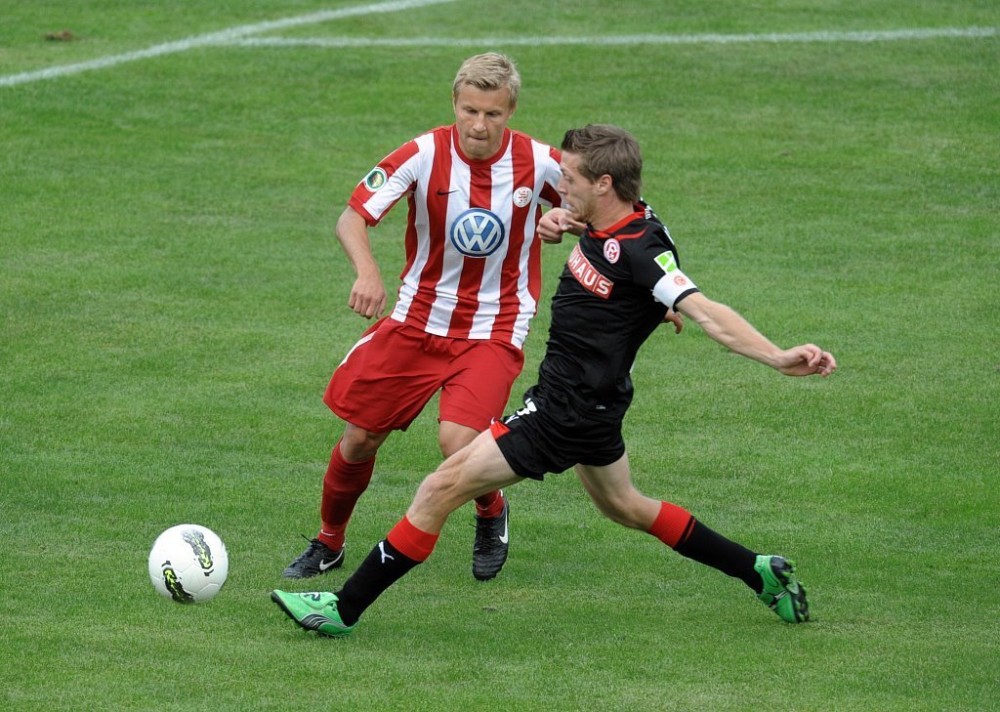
(712, 549)
(383, 566)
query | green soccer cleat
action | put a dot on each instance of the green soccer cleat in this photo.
(313, 611)
(782, 592)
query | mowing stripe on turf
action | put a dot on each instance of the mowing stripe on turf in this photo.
(242, 36)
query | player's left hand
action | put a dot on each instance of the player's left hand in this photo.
(807, 360)
(557, 221)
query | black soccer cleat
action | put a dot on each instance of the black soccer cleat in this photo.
(492, 541)
(317, 559)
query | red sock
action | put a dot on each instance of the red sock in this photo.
(673, 525)
(411, 542)
(490, 505)
(343, 485)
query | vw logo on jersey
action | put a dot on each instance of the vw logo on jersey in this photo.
(477, 233)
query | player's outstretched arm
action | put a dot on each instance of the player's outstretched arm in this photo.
(727, 327)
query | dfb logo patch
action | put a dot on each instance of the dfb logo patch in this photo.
(477, 233)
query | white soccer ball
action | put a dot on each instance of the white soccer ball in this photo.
(188, 563)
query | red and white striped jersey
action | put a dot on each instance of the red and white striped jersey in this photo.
(473, 261)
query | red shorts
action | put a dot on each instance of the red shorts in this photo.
(394, 370)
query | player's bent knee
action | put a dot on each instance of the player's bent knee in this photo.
(621, 511)
(358, 444)
(443, 490)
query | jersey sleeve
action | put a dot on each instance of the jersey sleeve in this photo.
(656, 266)
(386, 183)
(553, 172)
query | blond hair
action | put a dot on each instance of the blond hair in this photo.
(489, 71)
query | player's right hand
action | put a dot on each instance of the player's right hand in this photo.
(672, 317)
(368, 297)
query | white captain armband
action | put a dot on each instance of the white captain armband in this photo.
(674, 284)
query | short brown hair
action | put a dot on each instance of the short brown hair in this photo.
(489, 71)
(608, 150)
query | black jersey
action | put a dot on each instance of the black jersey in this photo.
(613, 293)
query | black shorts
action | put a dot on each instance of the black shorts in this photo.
(549, 436)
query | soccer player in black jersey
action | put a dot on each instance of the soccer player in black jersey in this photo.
(621, 281)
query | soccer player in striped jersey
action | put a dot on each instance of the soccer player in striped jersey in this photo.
(475, 191)
(621, 281)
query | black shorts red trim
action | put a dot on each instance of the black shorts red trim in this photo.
(549, 436)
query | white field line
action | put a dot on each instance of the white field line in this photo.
(803, 37)
(215, 38)
(242, 36)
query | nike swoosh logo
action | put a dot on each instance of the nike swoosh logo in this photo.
(446, 192)
(506, 535)
(324, 564)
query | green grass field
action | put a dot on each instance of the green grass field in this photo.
(172, 303)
